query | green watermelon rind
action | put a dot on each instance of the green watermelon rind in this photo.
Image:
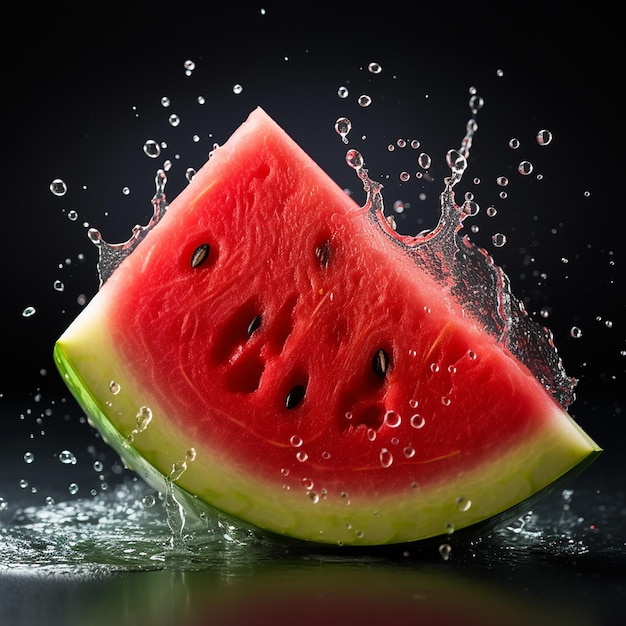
(365, 524)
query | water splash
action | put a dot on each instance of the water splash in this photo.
(126, 529)
(111, 255)
(470, 274)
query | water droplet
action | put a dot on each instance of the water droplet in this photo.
(499, 239)
(4, 505)
(364, 100)
(544, 137)
(302, 456)
(343, 92)
(392, 419)
(514, 143)
(148, 501)
(152, 149)
(354, 159)
(174, 120)
(408, 452)
(374, 68)
(58, 187)
(314, 497)
(165, 101)
(371, 434)
(73, 488)
(237, 89)
(476, 103)
(189, 66)
(417, 421)
(295, 441)
(343, 126)
(114, 387)
(444, 551)
(576, 332)
(404, 176)
(502, 181)
(491, 211)
(29, 457)
(424, 161)
(463, 504)
(190, 173)
(97, 466)
(525, 168)
(29, 311)
(72, 215)
(413, 404)
(143, 418)
(471, 208)
(67, 458)
(386, 458)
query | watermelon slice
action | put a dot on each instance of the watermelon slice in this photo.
(276, 352)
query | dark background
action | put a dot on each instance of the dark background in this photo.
(82, 89)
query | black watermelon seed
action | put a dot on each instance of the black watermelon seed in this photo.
(294, 397)
(323, 253)
(254, 325)
(380, 363)
(200, 254)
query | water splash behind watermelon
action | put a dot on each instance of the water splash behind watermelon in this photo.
(468, 273)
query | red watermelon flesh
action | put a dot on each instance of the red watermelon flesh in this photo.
(271, 349)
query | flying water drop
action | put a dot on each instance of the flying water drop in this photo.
(151, 148)
(544, 137)
(67, 458)
(343, 126)
(58, 187)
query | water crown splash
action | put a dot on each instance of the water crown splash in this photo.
(469, 274)
(110, 255)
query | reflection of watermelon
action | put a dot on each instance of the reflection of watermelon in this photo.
(277, 355)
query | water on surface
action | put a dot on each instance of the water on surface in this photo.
(133, 528)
